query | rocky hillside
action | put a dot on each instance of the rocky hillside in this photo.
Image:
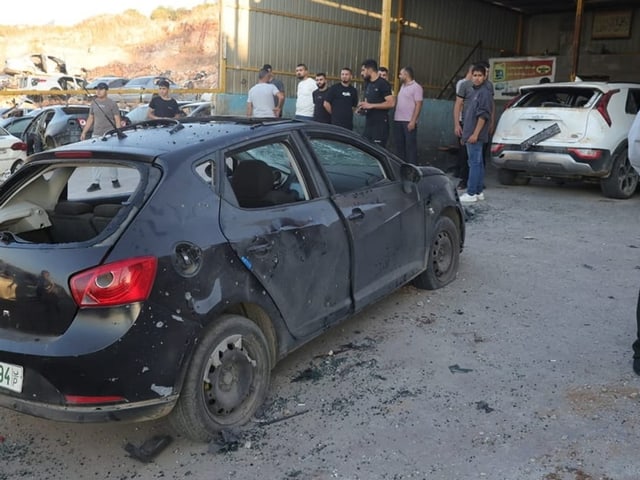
(179, 43)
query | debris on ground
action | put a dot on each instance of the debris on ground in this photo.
(458, 369)
(482, 405)
(311, 373)
(149, 449)
(226, 441)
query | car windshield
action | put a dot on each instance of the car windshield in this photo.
(558, 97)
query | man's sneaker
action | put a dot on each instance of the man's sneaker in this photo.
(466, 198)
(115, 183)
(480, 196)
(93, 187)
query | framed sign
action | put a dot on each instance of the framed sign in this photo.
(612, 24)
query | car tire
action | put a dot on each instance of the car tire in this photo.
(444, 257)
(623, 180)
(16, 165)
(233, 356)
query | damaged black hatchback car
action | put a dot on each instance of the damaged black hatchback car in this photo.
(225, 244)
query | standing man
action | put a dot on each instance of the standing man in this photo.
(263, 96)
(104, 115)
(163, 105)
(320, 114)
(405, 118)
(378, 100)
(306, 86)
(279, 85)
(342, 100)
(464, 89)
(384, 73)
(478, 109)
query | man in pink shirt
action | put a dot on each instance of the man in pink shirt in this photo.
(405, 118)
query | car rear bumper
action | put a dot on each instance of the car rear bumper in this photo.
(552, 162)
(127, 412)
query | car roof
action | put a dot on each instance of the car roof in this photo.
(602, 86)
(153, 138)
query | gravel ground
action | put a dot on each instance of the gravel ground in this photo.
(520, 369)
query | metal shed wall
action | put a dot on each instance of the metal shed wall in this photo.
(615, 58)
(437, 36)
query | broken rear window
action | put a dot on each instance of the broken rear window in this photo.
(57, 203)
(559, 97)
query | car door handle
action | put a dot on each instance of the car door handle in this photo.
(260, 248)
(356, 214)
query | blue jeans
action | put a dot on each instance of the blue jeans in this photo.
(406, 142)
(476, 168)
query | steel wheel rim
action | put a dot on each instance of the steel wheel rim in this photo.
(228, 377)
(442, 254)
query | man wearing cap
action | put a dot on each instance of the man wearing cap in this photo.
(104, 115)
(162, 105)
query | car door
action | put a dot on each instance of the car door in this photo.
(386, 224)
(292, 239)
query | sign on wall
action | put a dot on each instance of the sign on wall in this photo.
(510, 73)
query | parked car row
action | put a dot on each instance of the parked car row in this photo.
(143, 87)
(56, 125)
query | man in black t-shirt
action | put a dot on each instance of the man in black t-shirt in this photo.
(341, 100)
(378, 100)
(319, 113)
(162, 105)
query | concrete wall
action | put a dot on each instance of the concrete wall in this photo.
(435, 130)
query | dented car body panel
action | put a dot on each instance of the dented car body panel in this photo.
(295, 259)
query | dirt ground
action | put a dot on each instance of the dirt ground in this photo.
(520, 369)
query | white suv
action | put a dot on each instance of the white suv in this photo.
(569, 130)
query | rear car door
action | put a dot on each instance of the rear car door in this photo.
(291, 239)
(386, 224)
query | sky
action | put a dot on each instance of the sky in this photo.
(43, 13)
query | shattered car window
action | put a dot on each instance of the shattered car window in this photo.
(265, 175)
(348, 167)
(558, 97)
(53, 205)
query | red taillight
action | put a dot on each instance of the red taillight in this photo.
(603, 103)
(496, 148)
(86, 400)
(118, 283)
(586, 153)
(19, 146)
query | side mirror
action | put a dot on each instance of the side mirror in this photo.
(410, 175)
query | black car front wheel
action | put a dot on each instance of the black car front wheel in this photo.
(227, 380)
(623, 181)
(444, 256)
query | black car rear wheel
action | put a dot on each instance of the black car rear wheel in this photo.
(444, 257)
(227, 380)
(623, 181)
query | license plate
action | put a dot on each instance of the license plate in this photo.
(11, 377)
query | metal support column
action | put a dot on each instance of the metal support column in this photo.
(385, 32)
(577, 30)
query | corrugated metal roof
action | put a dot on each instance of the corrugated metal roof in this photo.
(535, 7)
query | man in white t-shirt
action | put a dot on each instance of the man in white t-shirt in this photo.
(306, 87)
(260, 100)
